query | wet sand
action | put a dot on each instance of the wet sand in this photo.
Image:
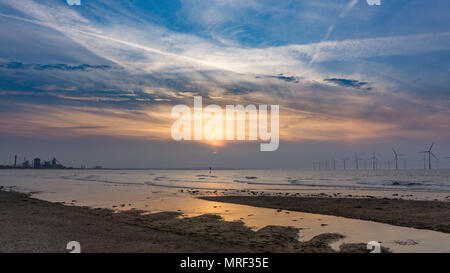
(31, 225)
(431, 215)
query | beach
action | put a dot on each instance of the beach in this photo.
(432, 215)
(226, 211)
(32, 225)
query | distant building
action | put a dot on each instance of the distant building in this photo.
(99, 167)
(26, 164)
(56, 164)
(37, 163)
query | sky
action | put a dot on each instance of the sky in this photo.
(94, 84)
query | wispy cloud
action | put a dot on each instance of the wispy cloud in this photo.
(141, 51)
(63, 67)
(292, 79)
(159, 66)
(349, 83)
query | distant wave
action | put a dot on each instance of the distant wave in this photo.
(96, 178)
(291, 183)
(390, 183)
(244, 182)
(183, 187)
(206, 176)
(370, 185)
(160, 178)
(401, 183)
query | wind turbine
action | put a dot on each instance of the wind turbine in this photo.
(404, 163)
(424, 162)
(448, 157)
(430, 153)
(345, 162)
(374, 161)
(357, 159)
(396, 156)
(317, 164)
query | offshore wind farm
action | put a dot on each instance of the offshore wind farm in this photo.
(429, 160)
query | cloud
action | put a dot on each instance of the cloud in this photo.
(81, 127)
(372, 47)
(159, 49)
(237, 91)
(43, 121)
(281, 77)
(62, 67)
(158, 65)
(349, 83)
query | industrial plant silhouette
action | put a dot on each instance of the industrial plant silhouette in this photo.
(37, 163)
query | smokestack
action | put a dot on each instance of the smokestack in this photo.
(15, 161)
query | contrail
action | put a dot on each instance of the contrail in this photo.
(130, 44)
(330, 29)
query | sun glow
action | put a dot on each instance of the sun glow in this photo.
(236, 122)
(215, 143)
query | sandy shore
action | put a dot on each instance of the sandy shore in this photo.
(32, 225)
(432, 215)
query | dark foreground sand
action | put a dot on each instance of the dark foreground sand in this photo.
(32, 225)
(432, 215)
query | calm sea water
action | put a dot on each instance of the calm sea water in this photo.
(407, 181)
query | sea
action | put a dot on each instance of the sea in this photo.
(424, 184)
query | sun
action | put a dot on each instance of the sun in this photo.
(215, 143)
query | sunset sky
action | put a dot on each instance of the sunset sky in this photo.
(94, 84)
